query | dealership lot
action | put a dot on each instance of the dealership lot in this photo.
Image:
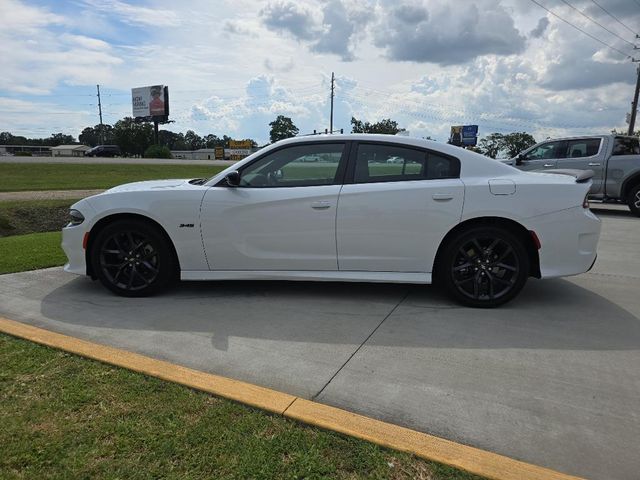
(552, 378)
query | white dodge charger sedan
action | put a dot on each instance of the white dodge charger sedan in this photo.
(435, 213)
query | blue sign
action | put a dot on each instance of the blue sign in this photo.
(469, 131)
(470, 141)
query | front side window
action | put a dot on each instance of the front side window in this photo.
(626, 146)
(547, 151)
(583, 148)
(295, 166)
(389, 163)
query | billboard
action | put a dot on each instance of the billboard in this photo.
(464, 135)
(246, 144)
(152, 101)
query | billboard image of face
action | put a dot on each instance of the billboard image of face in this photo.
(148, 101)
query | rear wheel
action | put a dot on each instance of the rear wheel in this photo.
(132, 258)
(484, 267)
(633, 200)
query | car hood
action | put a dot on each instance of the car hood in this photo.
(150, 185)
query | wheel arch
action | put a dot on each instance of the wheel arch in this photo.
(510, 225)
(109, 219)
(628, 185)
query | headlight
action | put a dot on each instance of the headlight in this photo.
(75, 217)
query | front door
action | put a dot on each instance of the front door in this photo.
(281, 216)
(544, 156)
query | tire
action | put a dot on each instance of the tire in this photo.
(133, 258)
(633, 200)
(483, 267)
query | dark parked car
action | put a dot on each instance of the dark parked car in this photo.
(103, 151)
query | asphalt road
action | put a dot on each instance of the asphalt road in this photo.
(113, 161)
(552, 378)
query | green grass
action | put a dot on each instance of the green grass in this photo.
(20, 217)
(29, 252)
(66, 417)
(16, 177)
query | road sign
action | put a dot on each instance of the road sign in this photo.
(469, 131)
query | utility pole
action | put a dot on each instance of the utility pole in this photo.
(100, 113)
(634, 105)
(332, 95)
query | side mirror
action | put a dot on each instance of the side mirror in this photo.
(519, 159)
(233, 178)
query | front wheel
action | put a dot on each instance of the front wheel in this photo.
(132, 258)
(634, 200)
(483, 267)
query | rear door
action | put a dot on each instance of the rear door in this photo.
(586, 154)
(544, 156)
(397, 204)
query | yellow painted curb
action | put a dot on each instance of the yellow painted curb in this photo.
(474, 460)
(480, 462)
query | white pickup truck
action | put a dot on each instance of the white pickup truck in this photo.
(614, 159)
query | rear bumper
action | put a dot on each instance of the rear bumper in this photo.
(568, 239)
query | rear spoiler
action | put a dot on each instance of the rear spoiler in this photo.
(581, 176)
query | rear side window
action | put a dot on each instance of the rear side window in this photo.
(626, 146)
(583, 148)
(390, 163)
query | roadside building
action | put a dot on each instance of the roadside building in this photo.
(36, 151)
(69, 150)
(210, 154)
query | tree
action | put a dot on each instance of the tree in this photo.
(60, 139)
(98, 135)
(193, 140)
(282, 127)
(133, 138)
(514, 143)
(508, 145)
(491, 144)
(387, 126)
(172, 140)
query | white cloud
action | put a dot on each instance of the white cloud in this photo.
(504, 64)
(136, 15)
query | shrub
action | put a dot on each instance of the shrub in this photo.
(157, 151)
(23, 154)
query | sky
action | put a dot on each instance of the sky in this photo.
(234, 66)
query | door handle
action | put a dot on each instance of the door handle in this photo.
(594, 164)
(320, 205)
(548, 165)
(442, 196)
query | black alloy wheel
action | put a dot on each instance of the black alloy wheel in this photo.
(484, 267)
(132, 258)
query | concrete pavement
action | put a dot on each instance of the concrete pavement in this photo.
(552, 378)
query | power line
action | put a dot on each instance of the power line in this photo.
(613, 16)
(597, 23)
(583, 31)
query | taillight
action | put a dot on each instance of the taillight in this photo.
(585, 203)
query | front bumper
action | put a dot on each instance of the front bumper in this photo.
(72, 238)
